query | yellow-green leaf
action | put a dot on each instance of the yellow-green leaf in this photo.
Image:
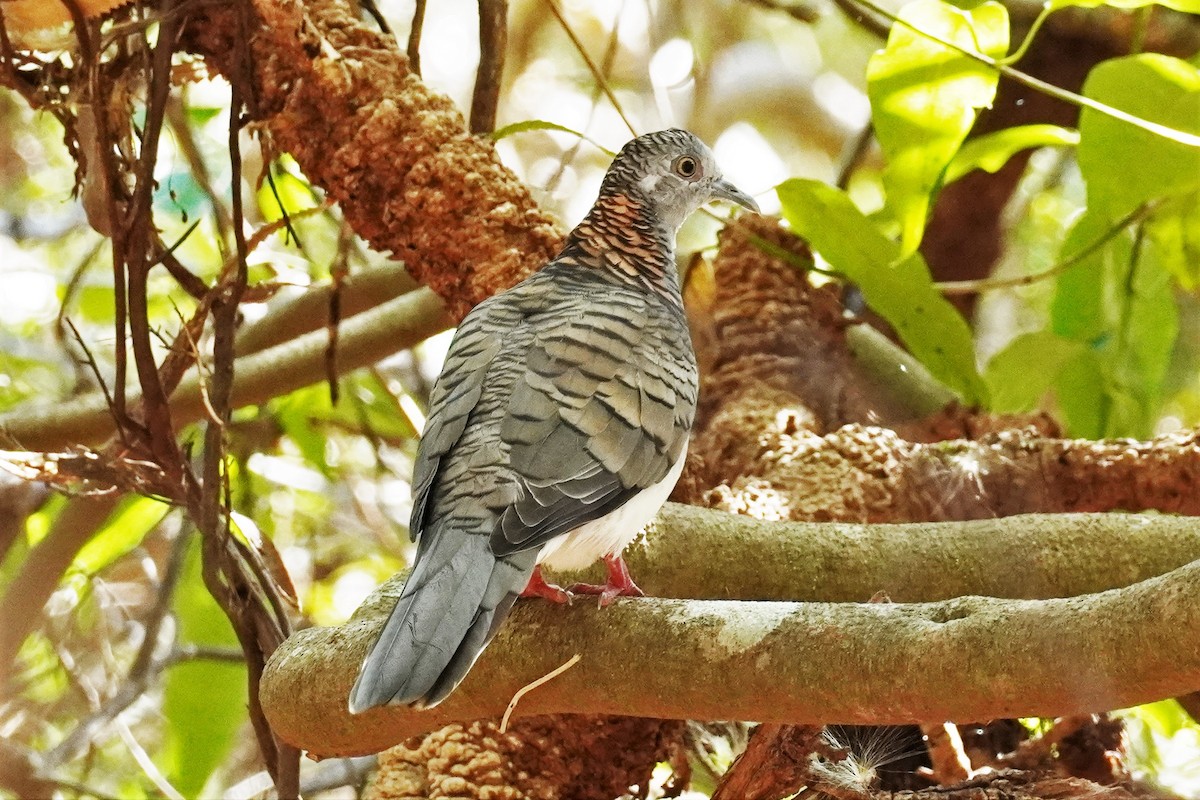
(897, 287)
(1124, 166)
(924, 99)
(992, 151)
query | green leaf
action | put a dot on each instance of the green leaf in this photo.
(1120, 304)
(204, 702)
(1020, 374)
(899, 289)
(1174, 235)
(1124, 166)
(992, 151)
(924, 98)
(1082, 395)
(543, 125)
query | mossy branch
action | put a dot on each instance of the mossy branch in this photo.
(810, 662)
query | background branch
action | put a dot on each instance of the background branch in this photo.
(395, 325)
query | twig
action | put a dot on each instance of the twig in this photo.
(869, 22)
(147, 764)
(493, 38)
(337, 273)
(799, 11)
(283, 209)
(201, 376)
(166, 256)
(373, 11)
(229, 573)
(855, 156)
(987, 284)
(414, 37)
(591, 65)
(136, 255)
(106, 172)
(143, 670)
(610, 54)
(194, 652)
(91, 360)
(529, 687)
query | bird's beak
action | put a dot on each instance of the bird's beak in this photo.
(724, 190)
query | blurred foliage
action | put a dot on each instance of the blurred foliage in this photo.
(1102, 327)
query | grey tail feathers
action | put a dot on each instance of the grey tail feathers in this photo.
(447, 613)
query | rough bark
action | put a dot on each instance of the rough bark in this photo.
(538, 758)
(800, 663)
(770, 760)
(865, 473)
(791, 425)
(341, 99)
(692, 552)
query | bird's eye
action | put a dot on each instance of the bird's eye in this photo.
(686, 167)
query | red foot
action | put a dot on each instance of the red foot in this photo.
(538, 587)
(619, 584)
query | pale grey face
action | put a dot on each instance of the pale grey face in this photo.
(676, 173)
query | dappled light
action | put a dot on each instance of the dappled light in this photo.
(934, 534)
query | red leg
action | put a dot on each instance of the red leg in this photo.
(619, 583)
(538, 587)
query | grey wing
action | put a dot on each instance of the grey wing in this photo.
(601, 412)
(479, 338)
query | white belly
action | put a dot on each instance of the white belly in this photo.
(609, 534)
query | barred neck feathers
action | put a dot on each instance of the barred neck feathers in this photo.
(620, 236)
(654, 183)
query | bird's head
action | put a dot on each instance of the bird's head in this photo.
(673, 173)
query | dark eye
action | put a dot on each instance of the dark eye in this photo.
(686, 167)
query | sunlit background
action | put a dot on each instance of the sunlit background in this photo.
(776, 98)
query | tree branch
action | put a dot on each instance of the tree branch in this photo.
(290, 315)
(695, 552)
(808, 663)
(364, 339)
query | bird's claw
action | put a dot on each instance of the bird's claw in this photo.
(606, 591)
(540, 587)
(619, 584)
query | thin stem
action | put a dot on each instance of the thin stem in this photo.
(493, 38)
(988, 284)
(595, 70)
(1027, 42)
(414, 37)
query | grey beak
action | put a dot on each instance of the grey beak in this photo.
(725, 190)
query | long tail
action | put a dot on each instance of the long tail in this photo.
(450, 608)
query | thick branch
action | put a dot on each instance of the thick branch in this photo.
(695, 552)
(810, 663)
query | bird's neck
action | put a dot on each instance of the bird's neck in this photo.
(620, 236)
